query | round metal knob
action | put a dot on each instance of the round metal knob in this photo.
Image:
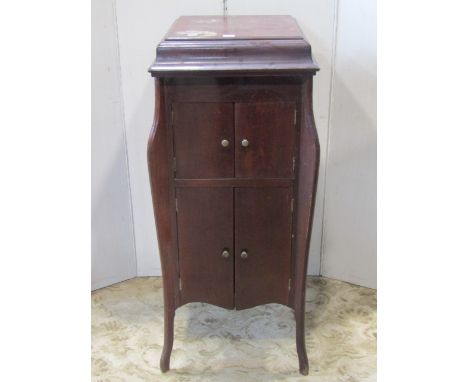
(244, 143)
(244, 255)
(225, 254)
(225, 143)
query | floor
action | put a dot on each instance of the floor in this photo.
(213, 344)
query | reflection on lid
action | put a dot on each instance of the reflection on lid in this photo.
(193, 33)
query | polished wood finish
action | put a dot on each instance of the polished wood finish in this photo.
(234, 89)
(263, 230)
(270, 130)
(234, 182)
(234, 28)
(199, 129)
(160, 172)
(306, 190)
(233, 46)
(205, 230)
(209, 197)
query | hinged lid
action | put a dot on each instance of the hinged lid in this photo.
(230, 45)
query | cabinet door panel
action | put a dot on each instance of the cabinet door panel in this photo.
(205, 229)
(270, 131)
(263, 230)
(199, 129)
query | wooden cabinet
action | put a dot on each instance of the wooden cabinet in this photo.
(233, 159)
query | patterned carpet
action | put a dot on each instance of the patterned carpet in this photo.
(213, 344)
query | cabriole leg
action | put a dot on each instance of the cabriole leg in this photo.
(300, 343)
(168, 339)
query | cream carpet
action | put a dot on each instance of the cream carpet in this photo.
(214, 344)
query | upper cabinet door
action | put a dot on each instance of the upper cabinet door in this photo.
(203, 140)
(265, 139)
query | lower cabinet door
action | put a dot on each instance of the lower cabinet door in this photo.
(205, 240)
(263, 227)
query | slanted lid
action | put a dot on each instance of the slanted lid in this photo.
(232, 45)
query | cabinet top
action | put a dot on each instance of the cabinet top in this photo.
(233, 45)
(234, 28)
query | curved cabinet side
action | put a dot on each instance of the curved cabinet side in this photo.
(309, 158)
(160, 179)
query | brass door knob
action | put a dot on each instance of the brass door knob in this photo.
(225, 143)
(244, 255)
(225, 254)
(244, 142)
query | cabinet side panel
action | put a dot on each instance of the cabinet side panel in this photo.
(205, 230)
(309, 158)
(160, 174)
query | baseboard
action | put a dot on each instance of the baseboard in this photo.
(352, 279)
(153, 271)
(98, 284)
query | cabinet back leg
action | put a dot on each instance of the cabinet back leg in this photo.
(300, 343)
(168, 339)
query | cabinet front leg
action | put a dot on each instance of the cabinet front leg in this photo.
(300, 343)
(168, 339)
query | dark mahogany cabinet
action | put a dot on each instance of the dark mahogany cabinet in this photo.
(233, 162)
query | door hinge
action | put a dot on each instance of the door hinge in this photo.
(174, 165)
(180, 283)
(294, 164)
(289, 284)
(176, 205)
(292, 205)
(295, 116)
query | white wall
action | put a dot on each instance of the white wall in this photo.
(142, 24)
(350, 216)
(112, 243)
